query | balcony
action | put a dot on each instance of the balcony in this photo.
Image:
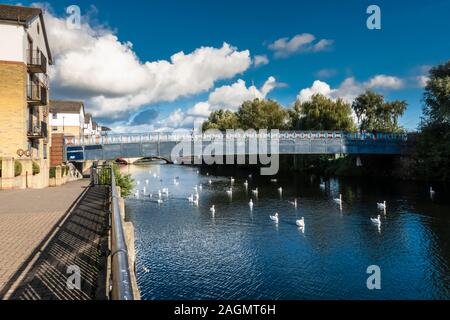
(38, 131)
(37, 94)
(36, 61)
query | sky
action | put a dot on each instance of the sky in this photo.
(161, 65)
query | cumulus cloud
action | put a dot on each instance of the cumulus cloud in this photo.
(232, 96)
(228, 97)
(349, 89)
(305, 42)
(91, 63)
(260, 60)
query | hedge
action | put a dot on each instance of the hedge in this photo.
(17, 168)
(36, 168)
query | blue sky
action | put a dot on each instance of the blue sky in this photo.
(414, 36)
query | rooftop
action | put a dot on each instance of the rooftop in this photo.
(62, 106)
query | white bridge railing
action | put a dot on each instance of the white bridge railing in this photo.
(155, 137)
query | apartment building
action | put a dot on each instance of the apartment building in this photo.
(24, 89)
(67, 118)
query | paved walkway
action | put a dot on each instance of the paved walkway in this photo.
(38, 241)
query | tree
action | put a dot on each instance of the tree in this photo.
(221, 120)
(374, 114)
(322, 113)
(432, 152)
(437, 95)
(262, 114)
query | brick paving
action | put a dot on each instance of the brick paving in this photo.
(36, 248)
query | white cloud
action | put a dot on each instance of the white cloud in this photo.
(422, 81)
(349, 89)
(260, 60)
(93, 64)
(385, 82)
(232, 96)
(228, 97)
(326, 73)
(305, 42)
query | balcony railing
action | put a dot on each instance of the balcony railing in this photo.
(37, 94)
(36, 61)
(38, 131)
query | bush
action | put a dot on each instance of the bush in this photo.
(36, 168)
(52, 172)
(124, 181)
(17, 168)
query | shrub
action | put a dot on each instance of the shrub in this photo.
(36, 168)
(17, 168)
(52, 172)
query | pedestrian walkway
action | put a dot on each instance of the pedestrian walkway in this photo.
(39, 241)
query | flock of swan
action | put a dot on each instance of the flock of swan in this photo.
(195, 198)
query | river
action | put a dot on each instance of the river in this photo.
(185, 252)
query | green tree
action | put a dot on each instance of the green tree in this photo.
(322, 113)
(221, 120)
(432, 153)
(374, 113)
(263, 114)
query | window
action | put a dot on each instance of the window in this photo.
(55, 116)
(38, 29)
(45, 151)
(54, 128)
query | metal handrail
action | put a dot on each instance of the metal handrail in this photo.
(121, 288)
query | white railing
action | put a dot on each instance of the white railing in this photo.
(156, 137)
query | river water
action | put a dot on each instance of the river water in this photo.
(186, 252)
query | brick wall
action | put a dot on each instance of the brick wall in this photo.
(13, 108)
(56, 150)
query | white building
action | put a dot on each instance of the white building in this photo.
(67, 117)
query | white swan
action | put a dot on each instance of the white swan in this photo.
(191, 198)
(432, 192)
(232, 180)
(136, 194)
(230, 191)
(210, 182)
(246, 184)
(144, 190)
(255, 192)
(377, 220)
(251, 204)
(275, 218)
(195, 202)
(339, 200)
(159, 194)
(280, 190)
(213, 209)
(294, 203)
(159, 201)
(274, 180)
(300, 223)
(200, 187)
(196, 188)
(146, 270)
(322, 185)
(382, 206)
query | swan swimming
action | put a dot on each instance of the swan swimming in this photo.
(377, 220)
(251, 204)
(210, 181)
(300, 223)
(246, 184)
(213, 209)
(432, 192)
(191, 198)
(280, 190)
(322, 185)
(255, 192)
(274, 180)
(382, 206)
(230, 191)
(294, 203)
(339, 200)
(159, 201)
(275, 218)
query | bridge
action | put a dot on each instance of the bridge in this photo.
(161, 144)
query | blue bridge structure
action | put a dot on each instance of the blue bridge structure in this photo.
(161, 144)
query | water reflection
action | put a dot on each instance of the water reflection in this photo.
(239, 253)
